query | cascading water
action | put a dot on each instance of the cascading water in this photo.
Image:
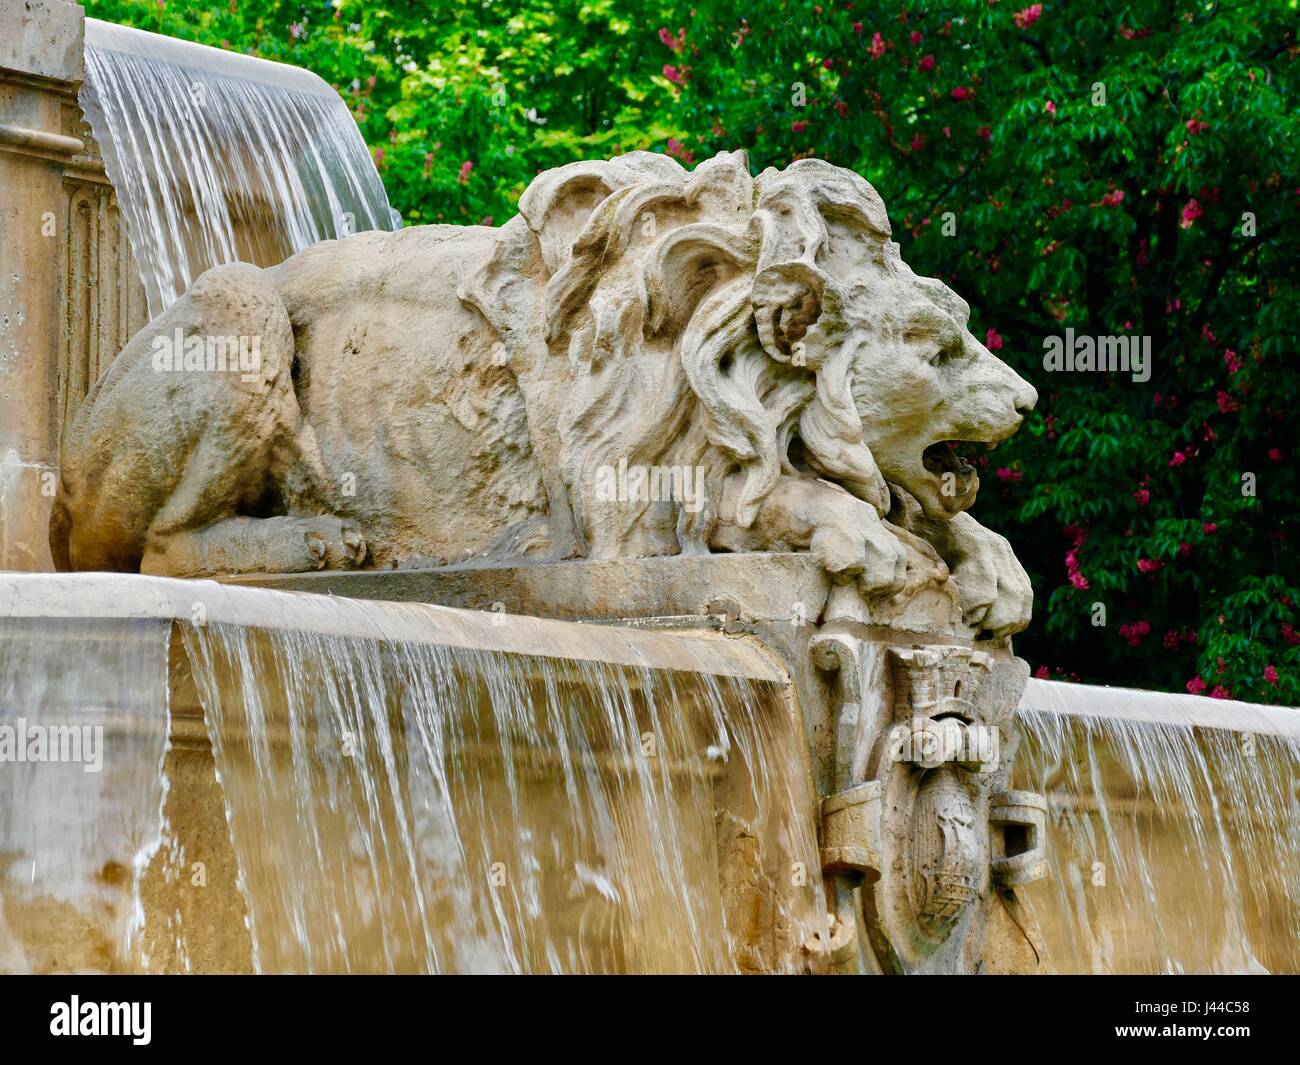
(219, 157)
(414, 789)
(455, 810)
(83, 732)
(1174, 830)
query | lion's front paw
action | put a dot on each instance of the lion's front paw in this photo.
(867, 553)
(996, 595)
(331, 543)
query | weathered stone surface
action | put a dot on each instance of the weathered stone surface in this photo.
(40, 65)
(42, 37)
(647, 361)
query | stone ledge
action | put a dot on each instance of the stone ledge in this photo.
(42, 37)
(767, 587)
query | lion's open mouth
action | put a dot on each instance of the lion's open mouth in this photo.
(942, 458)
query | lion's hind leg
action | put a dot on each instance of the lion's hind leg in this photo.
(192, 448)
(257, 545)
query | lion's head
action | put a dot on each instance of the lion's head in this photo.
(743, 326)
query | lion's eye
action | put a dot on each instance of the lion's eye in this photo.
(946, 353)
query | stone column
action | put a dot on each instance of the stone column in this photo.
(40, 71)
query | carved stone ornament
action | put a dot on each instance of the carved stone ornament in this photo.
(925, 744)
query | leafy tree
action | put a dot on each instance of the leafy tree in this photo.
(1117, 169)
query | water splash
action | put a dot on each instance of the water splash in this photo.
(1174, 834)
(219, 157)
(74, 843)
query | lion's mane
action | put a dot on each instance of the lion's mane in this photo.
(678, 302)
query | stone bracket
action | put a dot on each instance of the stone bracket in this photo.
(850, 838)
(1018, 824)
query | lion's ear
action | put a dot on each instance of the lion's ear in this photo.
(558, 204)
(685, 266)
(787, 299)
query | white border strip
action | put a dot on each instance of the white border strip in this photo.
(120, 595)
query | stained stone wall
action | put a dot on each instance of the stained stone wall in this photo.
(70, 294)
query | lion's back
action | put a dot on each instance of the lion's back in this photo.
(395, 375)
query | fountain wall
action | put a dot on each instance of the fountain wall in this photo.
(369, 787)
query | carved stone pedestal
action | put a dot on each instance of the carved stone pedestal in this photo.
(925, 866)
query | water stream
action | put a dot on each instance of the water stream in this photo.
(404, 788)
(219, 157)
(83, 732)
(1174, 830)
(415, 808)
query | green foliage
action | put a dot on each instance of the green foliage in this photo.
(1115, 168)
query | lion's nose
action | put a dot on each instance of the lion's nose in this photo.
(1026, 398)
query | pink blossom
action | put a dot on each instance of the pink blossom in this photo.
(984, 133)
(1191, 212)
(1195, 126)
(1112, 199)
(466, 168)
(675, 43)
(1220, 692)
(926, 63)
(1232, 359)
(878, 45)
(1209, 528)
(917, 37)
(677, 77)
(1195, 686)
(1143, 497)
(678, 150)
(1275, 454)
(828, 64)
(1270, 675)
(1007, 474)
(992, 340)
(1226, 403)
(1050, 107)
(1042, 673)
(1133, 632)
(918, 142)
(798, 126)
(1178, 459)
(962, 93)
(1026, 18)
(1149, 565)
(1072, 557)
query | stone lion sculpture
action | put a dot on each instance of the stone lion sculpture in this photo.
(645, 361)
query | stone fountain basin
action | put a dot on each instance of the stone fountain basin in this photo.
(181, 929)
